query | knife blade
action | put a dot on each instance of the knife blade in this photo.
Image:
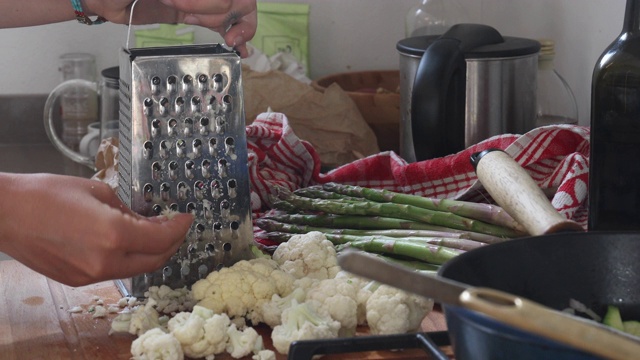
(439, 289)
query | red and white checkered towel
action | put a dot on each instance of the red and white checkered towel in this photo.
(556, 157)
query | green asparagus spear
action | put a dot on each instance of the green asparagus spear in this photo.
(459, 244)
(413, 264)
(433, 254)
(373, 223)
(283, 205)
(452, 240)
(269, 224)
(408, 212)
(317, 192)
(277, 236)
(484, 212)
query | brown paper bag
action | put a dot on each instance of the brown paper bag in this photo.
(107, 162)
(330, 121)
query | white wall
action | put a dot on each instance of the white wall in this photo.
(582, 30)
(345, 35)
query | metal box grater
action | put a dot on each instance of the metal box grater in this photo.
(183, 147)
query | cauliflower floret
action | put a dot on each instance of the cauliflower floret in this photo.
(170, 301)
(186, 328)
(99, 312)
(75, 310)
(144, 318)
(215, 331)
(243, 342)
(365, 288)
(240, 289)
(272, 309)
(121, 323)
(201, 332)
(268, 267)
(128, 302)
(305, 283)
(239, 322)
(393, 311)
(264, 355)
(303, 321)
(308, 255)
(338, 297)
(155, 344)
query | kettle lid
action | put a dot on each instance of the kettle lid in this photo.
(415, 46)
(508, 46)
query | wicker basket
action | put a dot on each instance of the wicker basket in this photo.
(376, 94)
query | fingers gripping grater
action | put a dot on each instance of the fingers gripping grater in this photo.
(183, 147)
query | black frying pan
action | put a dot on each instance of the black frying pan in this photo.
(595, 269)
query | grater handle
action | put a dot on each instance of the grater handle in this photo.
(133, 5)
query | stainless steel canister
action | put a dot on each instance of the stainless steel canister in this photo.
(462, 87)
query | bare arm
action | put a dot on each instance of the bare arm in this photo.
(34, 12)
(235, 20)
(77, 231)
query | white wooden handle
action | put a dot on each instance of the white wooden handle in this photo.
(515, 191)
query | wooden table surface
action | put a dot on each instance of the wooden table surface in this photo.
(35, 322)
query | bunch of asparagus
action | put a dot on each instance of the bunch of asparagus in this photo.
(406, 227)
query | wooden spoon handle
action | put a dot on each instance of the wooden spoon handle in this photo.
(580, 333)
(515, 191)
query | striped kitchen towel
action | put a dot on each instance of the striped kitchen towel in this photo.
(556, 157)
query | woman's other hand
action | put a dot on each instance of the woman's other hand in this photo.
(77, 231)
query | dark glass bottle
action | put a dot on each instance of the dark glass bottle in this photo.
(614, 173)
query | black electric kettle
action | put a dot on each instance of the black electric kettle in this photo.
(462, 87)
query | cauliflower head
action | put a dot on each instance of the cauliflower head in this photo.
(303, 321)
(393, 311)
(239, 290)
(308, 255)
(338, 297)
(155, 344)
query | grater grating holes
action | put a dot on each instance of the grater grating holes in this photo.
(186, 141)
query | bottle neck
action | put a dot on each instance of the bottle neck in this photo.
(632, 17)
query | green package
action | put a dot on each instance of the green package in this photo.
(164, 35)
(283, 28)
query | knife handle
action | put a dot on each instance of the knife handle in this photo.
(583, 334)
(515, 191)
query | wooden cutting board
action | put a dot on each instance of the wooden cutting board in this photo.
(35, 322)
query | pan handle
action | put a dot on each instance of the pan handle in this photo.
(515, 191)
(583, 334)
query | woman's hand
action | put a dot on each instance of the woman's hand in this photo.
(76, 231)
(235, 20)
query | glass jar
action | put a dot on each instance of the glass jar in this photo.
(433, 17)
(78, 105)
(556, 102)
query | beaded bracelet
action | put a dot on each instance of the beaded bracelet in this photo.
(82, 17)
